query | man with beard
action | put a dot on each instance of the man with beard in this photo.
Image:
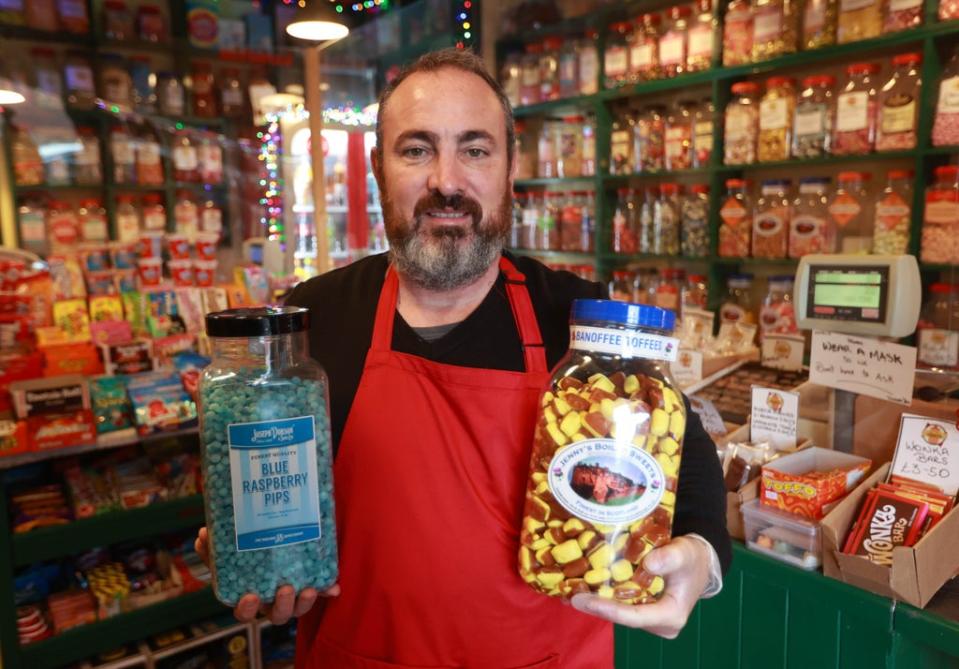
(437, 354)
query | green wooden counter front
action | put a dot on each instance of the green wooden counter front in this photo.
(771, 615)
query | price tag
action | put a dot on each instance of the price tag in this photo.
(775, 417)
(928, 451)
(783, 351)
(709, 415)
(687, 368)
(863, 365)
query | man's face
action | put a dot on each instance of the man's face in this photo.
(444, 177)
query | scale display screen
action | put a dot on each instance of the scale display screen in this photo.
(848, 293)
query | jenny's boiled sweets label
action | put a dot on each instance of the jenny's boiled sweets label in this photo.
(605, 482)
(276, 498)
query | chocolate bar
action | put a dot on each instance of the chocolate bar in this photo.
(887, 520)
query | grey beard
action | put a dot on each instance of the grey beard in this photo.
(436, 262)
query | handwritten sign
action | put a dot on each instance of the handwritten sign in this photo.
(928, 451)
(863, 365)
(709, 415)
(687, 368)
(783, 351)
(775, 417)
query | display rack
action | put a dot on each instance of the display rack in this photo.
(933, 40)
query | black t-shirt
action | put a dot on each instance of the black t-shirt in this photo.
(343, 307)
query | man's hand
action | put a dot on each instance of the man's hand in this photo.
(684, 565)
(286, 603)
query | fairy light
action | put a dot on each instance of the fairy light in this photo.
(272, 183)
(464, 20)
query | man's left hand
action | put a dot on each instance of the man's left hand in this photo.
(684, 565)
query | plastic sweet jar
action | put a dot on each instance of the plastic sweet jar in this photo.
(742, 124)
(529, 75)
(703, 133)
(738, 33)
(621, 144)
(898, 105)
(810, 228)
(669, 289)
(568, 68)
(945, 128)
(695, 292)
(812, 125)
(605, 461)
(775, 28)
(938, 328)
(621, 286)
(701, 35)
(771, 220)
(735, 229)
(901, 15)
(850, 213)
(265, 433)
(649, 136)
(549, 87)
(893, 215)
(673, 43)
(854, 130)
(588, 63)
(616, 57)
(644, 49)
(858, 19)
(695, 222)
(738, 305)
(940, 227)
(777, 315)
(776, 111)
(679, 136)
(666, 217)
(818, 24)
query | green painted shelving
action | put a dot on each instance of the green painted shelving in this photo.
(932, 39)
(55, 542)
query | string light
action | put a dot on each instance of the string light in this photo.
(272, 183)
(465, 37)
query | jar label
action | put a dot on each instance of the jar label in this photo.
(72, 9)
(148, 154)
(606, 481)
(739, 125)
(641, 56)
(732, 313)
(184, 158)
(948, 96)
(844, 209)
(671, 49)
(768, 24)
(732, 212)
(898, 114)
(276, 497)
(701, 41)
(807, 226)
(852, 111)
(853, 5)
(774, 114)
(211, 220)
(128, 227)
(939, 348)
(768, 225)
(814, 18)
(122, 150)
(154, 219)
(942, 212)
(588, 70)
(94, 229)
(623, 343)
(617, 61)
(904, 5)
(892, 212)
(811, 121)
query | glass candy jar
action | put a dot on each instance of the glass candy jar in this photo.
(812, 122)
(265, 431)
(776, 111)
(893, 215)
(810, 229)
(898, 105)
(854, 130)
(742, 124)
(602, 485)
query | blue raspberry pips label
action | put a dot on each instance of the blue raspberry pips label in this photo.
(276, 499)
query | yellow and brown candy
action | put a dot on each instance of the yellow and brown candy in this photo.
(561, 554)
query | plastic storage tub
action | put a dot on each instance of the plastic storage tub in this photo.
(782, 535)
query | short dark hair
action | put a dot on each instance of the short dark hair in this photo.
(459, 59)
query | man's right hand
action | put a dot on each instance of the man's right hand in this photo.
(286, 604)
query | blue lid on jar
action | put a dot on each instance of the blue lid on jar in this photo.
(257, 322)
(623, 313)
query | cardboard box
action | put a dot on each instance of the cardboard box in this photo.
(785, 483)
(51, 395)
(917, 571)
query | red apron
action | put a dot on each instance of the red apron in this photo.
(430, 479)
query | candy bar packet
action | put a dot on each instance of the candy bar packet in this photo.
(743, 462)
(887, 520)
